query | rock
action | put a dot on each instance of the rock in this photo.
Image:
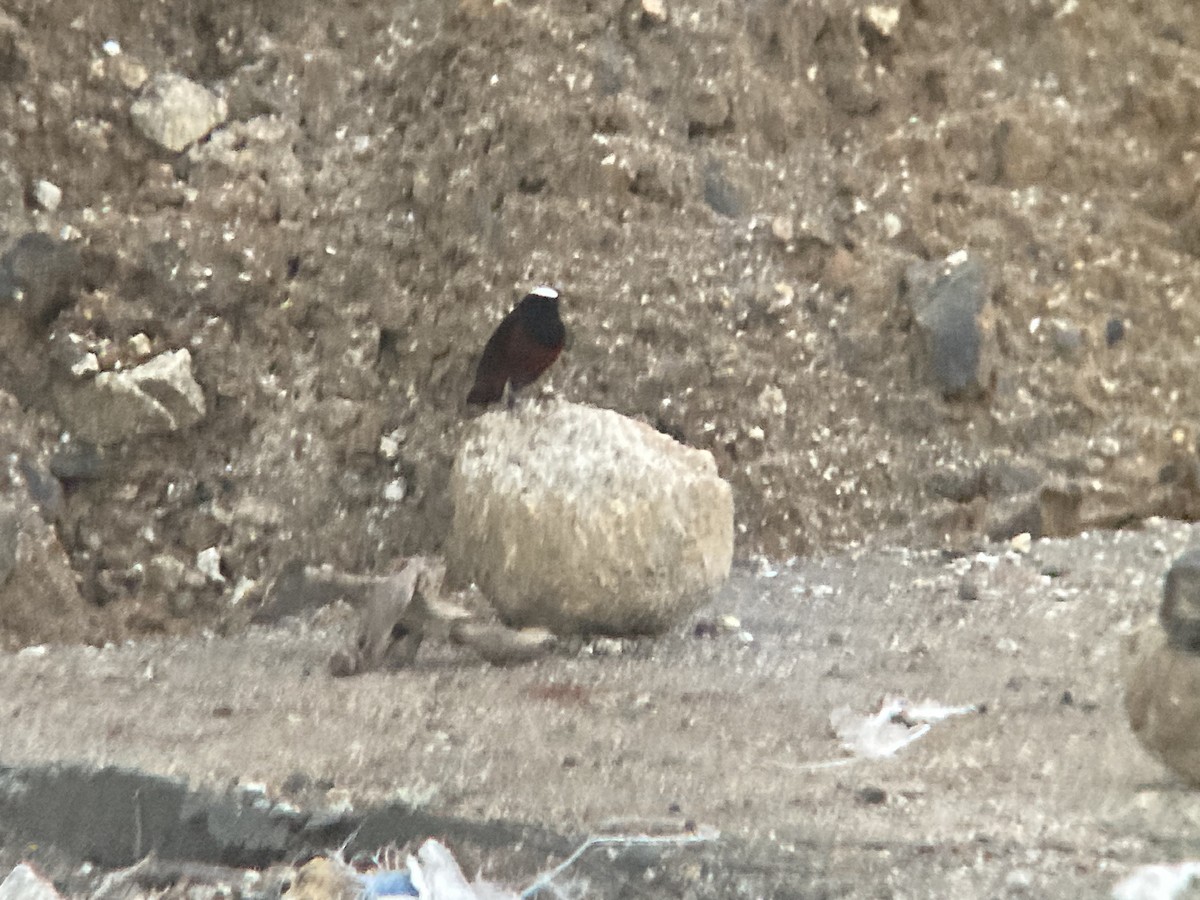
(722, 195)
(158, 397)
(10, 532)
(77, 461)
(709, 113)
(957, 484)
(882, 17)
(38, 275)
(969, 588)
(44, 488)
(1066, 337)
(14, 50)
(1162, 699)
(1060, 509)
(24, 883)
(653, 181)
(47, 195)
(1179, 613)
(1114, 331)
(39, 599)
(783, 229)
(946, 298)
(174, 111)
(503, 646)
(654, 12)
(582, 520)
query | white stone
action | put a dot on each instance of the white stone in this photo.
(208, 561)
(175, 112)
(47, 195)
(582, 520)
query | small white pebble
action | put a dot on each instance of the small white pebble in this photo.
(1018, 880)
(88, 364)
(140, 345)
(111, 47)
(47, 195)
(208, 561)
(395, 491)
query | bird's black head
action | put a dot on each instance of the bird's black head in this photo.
(539, 314)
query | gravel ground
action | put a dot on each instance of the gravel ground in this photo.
(1042, 790)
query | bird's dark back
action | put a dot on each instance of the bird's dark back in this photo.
(540, 318)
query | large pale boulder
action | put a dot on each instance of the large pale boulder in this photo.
(1162, 673)
(585, 521)
(1162, 699)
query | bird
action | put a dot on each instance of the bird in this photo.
(523, 346)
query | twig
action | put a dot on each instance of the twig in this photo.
(622, 840)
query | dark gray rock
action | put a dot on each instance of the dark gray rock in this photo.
(10, 530)
(709, 113)
(721, 194)
(77, 461)
(953, 483)
(38, 276)
(1067, 338)
(1180, 610)
(946, 298)
(1114, 331)
(14, 51)
(44, 489)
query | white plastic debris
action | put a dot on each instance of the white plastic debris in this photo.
(897, 724)
(24, 883)
(1157, 882)
(436, 876)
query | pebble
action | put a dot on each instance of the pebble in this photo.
(208, 561)
(946, 298)
(47, 195)
(1114, 331)
(174, 111)
(1021, 543)
(654, 12)
(1180, 609)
